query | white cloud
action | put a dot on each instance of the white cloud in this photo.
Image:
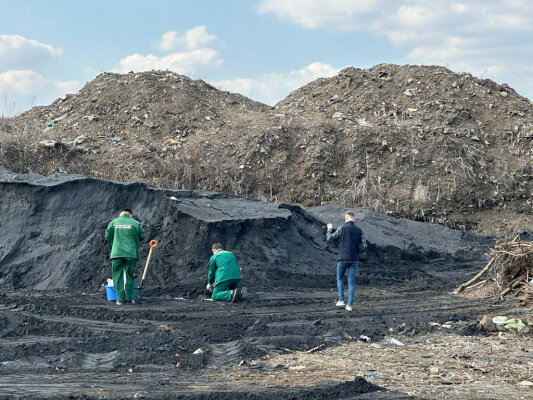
(21, 89)
(182, 63)
(477, 36)
(272, 87)
(194, 54)
(194, 38)
(336, 14)
(17, 51)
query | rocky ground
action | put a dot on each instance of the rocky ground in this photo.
(420, 142)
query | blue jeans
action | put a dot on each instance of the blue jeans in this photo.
(342, 266)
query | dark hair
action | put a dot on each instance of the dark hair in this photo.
(216, 246)
(351, 214)
(128, 210)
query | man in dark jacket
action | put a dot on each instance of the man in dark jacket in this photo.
(124, 233)
(350, 238)
(224, 275)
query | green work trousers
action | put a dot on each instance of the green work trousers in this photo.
(123, 269)
(222, 291)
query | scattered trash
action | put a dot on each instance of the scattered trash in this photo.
(503, 336)
(365, 338)
(409, 92)
(297, 367)
(48, 143)
(396, 342)
(371, 375)
(116, 139)
(173, 198)
(433, 370)
(315, 349)
(79, 140)
(198, 351)
(512, 324)
(374, 376)
(363, 122)
(49, 124)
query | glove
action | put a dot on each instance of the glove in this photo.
(209, 287)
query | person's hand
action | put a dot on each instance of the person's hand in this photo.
(330, 226)
(209, 287)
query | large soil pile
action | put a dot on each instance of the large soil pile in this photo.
(417, 142)
(55, 238)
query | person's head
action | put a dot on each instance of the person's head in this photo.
(349, 216)
(126, 211)
(216, 247)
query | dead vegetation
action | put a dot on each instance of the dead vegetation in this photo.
(441, 366)
(510, 271)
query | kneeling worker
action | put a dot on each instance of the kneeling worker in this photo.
(224, 276)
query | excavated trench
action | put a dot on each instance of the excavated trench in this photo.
(60, 337)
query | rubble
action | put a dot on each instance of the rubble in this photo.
(363, 138)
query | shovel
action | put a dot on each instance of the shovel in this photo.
(153, 243)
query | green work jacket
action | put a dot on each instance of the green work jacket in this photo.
(124, 233)
(222, 267)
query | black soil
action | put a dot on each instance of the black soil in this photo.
(61, 338)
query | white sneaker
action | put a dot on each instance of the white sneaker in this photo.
(340, 303)
(348, 308)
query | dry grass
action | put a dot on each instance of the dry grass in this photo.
(443, 366)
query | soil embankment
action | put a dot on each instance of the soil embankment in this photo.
(56, 240)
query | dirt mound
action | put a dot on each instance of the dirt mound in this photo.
(56, 225)
(423, 142)
(417, 142)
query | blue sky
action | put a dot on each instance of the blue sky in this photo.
(263, 49)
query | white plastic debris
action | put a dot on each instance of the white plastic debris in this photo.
(396, 342)
(363, 122)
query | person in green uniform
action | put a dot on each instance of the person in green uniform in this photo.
(224, 276)
(124, 233)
